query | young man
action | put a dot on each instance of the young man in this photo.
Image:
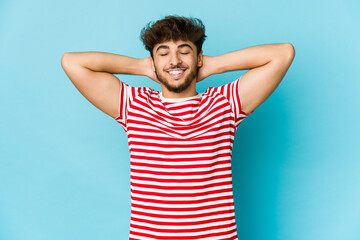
(180, 140)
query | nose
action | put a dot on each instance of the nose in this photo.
(175, 59)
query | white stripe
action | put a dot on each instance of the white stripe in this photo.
(202, 176)
(187, 234)
(187, 217)
(181, 143)
(182, 184)
(148, 138)
(178, 191)
(195, 198)
(197, 226)
(167, 123)
(189, 155)
(183, 206)
(173, 170)
(168, 163)
(170, 149)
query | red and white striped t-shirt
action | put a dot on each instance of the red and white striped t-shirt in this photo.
(180, 160)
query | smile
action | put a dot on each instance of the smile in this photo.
(176, 73)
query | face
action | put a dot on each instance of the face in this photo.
(176, 64)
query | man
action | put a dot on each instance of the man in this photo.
(180, 140)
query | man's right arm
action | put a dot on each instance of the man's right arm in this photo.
(92, 74)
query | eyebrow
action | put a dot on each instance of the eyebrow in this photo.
(167, 47)
(185, 45)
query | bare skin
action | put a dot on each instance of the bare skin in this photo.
(92, 72)
(176, 66)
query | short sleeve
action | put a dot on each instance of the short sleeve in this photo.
(127, 94)
(232, 94)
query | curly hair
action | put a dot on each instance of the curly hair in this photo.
(173, 28)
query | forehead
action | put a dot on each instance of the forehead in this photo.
(173, 44)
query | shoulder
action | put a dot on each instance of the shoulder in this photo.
(136, 91)
(225, 89)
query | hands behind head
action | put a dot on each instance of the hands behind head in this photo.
(205, 69)
(150, 69)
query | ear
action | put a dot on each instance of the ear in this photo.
(200, 59)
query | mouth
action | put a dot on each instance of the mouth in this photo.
(176, 73)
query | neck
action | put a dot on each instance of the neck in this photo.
(189, 92)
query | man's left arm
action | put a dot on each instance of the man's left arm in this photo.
(268, 65)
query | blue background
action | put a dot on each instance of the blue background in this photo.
(64, 168)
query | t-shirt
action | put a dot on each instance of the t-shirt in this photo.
(180, 162)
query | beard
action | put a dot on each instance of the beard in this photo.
(179, 88)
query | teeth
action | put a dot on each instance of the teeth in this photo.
(175, 72)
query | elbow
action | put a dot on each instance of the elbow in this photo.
(65, 59)
(285, 54)
(289, 50)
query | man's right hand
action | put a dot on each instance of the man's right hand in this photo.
(150, 69)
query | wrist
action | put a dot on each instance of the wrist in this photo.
(218, 64)
(144, 66)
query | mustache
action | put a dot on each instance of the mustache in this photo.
(177, 66)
